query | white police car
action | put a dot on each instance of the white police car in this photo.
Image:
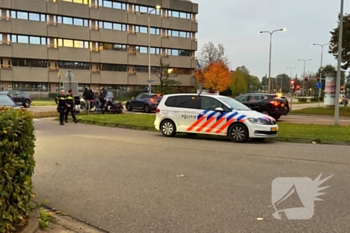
(212, 114)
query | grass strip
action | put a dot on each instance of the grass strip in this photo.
(343, 111)
(288, 132)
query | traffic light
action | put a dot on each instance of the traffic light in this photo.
(318, 79)
(306, 78)
(298, 88)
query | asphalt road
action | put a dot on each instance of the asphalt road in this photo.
(135, 181)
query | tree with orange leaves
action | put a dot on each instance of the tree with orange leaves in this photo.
(215, 76)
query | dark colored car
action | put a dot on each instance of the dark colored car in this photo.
(265, 103)
(7, 101)
(20, 97)
(144, 101)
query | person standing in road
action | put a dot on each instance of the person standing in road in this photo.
(61, 101)
(70, 107)
(97, 96)
(103, 96)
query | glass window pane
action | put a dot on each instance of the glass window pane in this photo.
(86, 44)
(22, 15)
(183, 15)
(68, 43)
(100, 24)
(14, 38)
(86, 22)
(182, 34)
(78, 44)
(43, 40)
(117, 5)
(143, 49)
(67, 20)
(143, 9)
(33, 16)
(107, 4)
(78, 22)
(107, 25)
(34, 40)
(23, 39)
(143, 29)
(42, 18)
(100, 2)
(175, 14)
(175, 33)
(175, 52)
(117, 26)
(59, 19)
(13, 14)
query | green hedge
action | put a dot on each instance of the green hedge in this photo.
(16, 167)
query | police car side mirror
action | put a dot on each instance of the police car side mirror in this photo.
(218, 109)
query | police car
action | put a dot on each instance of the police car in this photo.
(207, 112)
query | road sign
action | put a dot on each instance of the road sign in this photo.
(150, 81)
(318, 85)
(292, 82)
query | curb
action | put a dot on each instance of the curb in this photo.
(33, 223)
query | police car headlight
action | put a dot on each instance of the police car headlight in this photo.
(258, 121)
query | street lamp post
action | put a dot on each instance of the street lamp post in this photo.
(271, 32)
(304, 60)
(340, 44)
(319, 89)
(149, 46)
(290, 71)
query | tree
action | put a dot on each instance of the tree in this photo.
(166, 75)
(284, 80)
(215, 76)
(211, 54)
(238, 84)
(333, 47)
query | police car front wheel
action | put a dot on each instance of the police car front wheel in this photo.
(168, 128)
(238, 133)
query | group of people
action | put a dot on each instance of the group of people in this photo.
(65, 105)
(95, 97)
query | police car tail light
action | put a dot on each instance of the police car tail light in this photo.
(157, 110)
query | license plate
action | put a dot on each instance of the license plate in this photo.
(273, 128)
(282, 105)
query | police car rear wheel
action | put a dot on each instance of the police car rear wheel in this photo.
(168, 128)
(238, 133)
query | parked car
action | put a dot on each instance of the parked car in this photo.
(20, 97)
(144, 101)
(7, 101)
(267, 104)
(212, 114)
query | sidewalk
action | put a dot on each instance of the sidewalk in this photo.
(66, 224)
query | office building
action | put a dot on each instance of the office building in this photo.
(103, 43)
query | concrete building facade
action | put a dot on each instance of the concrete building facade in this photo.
(103, 42)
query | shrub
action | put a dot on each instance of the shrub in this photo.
(302, 100)
(16, 167)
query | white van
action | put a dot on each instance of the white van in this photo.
(212, 114)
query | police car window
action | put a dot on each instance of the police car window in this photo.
(209, 103)
(144, 96)
(170, 102)
(188, 101)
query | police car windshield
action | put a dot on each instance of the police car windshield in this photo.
(234, 103)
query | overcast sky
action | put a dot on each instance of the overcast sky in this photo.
(235, 23)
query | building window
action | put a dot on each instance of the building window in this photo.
(78, 1)
(29, 62)
(155, 50)
(177, 52)
(67, 20)
(107, 25)
(141, 49)
(74, 65)
(141, 69)
(23, 39)
(34, 40)
(22, 15)
(155, 31)
(34, 16)
(176, 14)
(78, 22)
(113, 67)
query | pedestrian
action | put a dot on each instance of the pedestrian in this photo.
(70, 107)
(97, 96)
(87, 97)
(103, 96)
(61, 101)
